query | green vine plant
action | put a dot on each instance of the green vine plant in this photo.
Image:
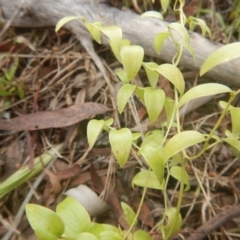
(165, 155)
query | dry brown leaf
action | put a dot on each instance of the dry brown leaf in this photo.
(53, 119)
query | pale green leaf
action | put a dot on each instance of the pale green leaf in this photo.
(155, 161)
(65, 20)
(94, 30)
(152, 75)
(180, 174)
(203, 90)
(174, 75)
(114, 33)
(169, 106)
(181, 29)
(165, 4)
(122, 75)
(147, 179)
(86, 236)
(116, 51)
(46, 224)
(221, 55)
(159, 40)
(153, 139)
(76, 219)
(174, 222)
(132, 57)
(141, 235)
(124, 93)
(235, 116)
(233, 142)
(110, 235)
(153, 14)
(25, 173)
(94, 128)
(154, 100)
(129, 214)
(181, 141)
(121, 141)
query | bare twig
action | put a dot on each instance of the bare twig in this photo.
(215, 222)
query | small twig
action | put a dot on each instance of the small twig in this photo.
(215, 222)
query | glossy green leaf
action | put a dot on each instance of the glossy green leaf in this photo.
(159, 40)
(46, 224)
(121, 141)
(203, 90)
(221, 55)
(129, 214)
(94, 128)
(174, 75)
(25, 173)
(132, 57)
(233, 142)
(109, 235)
(86, 236)
(94, 30)
(154, 100)
(76, 219)
(153, 14)
(124, 93)
(152, 75)
(174, 222)
(65, 20)
(155, 161)
(179, 174)
(122, 75)
(141, 235)
(235, 117)
(150, 179)
(180, 142)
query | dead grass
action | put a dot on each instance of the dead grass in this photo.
(55, 72)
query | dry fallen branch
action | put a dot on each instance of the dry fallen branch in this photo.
(139, 30)
(215, 222)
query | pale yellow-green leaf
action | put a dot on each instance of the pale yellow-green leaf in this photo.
(132, 57)
(24, 174)
(165, 4)
(94, 30)
(114, 33)
(144, 178)
(86, 236)
(221, 55)
(181, 141)
(180, 174)
(122, 75)
(110, 235)
(121, 141)
(154, 160)
(223, 105)
(94, 128)
(65, 20)
(141, 235)
(153, 139)
(154, 100)
(169, 106)
(153, 14)
(181, 29)
(152, 75)
(174, 75)
(203, 90)
(46, 224)
(159, 40)
(235, 116)
(124, 93)
(233, 142)
(115, 49)
(129, 214)
(174, 222)
(198, 21)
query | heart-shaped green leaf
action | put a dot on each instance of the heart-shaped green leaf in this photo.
(121, 142)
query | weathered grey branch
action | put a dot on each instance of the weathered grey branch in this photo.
(36, 13)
